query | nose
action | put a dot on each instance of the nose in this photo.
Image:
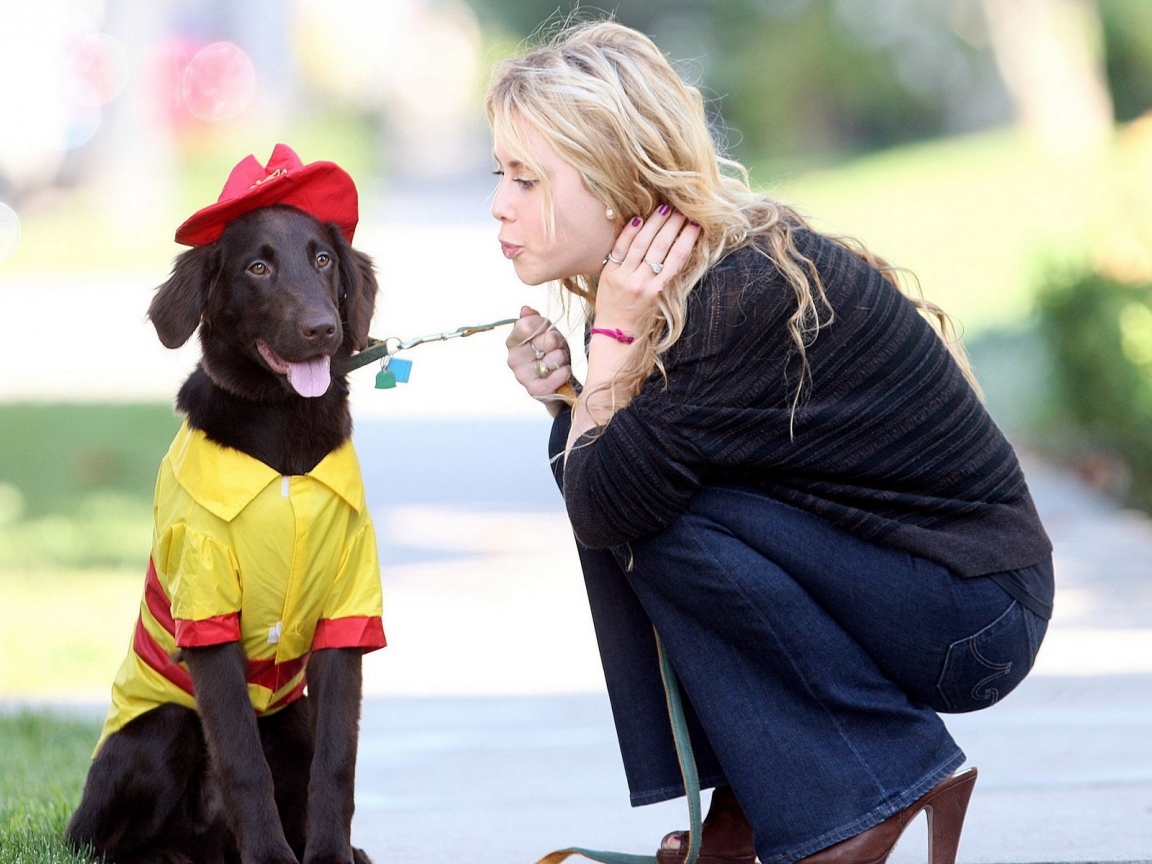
(318, 327)
(501, 211)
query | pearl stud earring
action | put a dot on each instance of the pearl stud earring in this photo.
(610, 213)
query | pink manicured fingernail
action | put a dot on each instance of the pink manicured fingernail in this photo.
(664, 208)
(637, 222)
(694, 224)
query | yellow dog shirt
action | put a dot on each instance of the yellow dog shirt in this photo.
(287, 565)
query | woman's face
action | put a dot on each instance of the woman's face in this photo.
(584, 233)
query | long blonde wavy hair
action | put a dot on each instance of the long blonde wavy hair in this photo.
(612, 106)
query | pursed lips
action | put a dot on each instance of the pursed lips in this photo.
(510, 250)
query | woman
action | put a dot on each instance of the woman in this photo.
(775, 460)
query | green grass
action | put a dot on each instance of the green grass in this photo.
(89, 615)
(57, 455)
(76, 483)
(43, 762)
(978, 219)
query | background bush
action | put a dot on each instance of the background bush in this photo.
(1099, 335)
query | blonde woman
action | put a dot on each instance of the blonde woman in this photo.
(775, 460)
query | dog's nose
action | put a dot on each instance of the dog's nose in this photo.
(319, 327)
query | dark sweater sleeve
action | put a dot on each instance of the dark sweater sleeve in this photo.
(628, 479)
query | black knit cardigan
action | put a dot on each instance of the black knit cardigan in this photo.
(889, 442)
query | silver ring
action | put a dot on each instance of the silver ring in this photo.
(543, 370)
(613, 259)
(656, 268)
(539, 354)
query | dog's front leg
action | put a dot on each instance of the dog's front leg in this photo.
(334, 685)
(220, 683)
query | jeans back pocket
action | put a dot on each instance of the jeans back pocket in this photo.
(986, 666)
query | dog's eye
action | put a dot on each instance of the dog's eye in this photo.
(258, 269)
(323, 259)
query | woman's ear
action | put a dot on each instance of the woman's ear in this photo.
(176, 309)
(357, 287)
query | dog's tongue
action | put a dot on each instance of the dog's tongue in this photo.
(312, 377)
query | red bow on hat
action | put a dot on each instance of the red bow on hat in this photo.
(320, 189)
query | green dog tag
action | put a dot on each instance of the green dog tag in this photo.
(385, 379)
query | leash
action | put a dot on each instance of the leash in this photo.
(687, 770)
(396, 370)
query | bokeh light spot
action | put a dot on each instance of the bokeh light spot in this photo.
(101, 63)
(9, 232)
(219, 83)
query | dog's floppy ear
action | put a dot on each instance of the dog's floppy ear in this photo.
(176, 309)
(358, 287)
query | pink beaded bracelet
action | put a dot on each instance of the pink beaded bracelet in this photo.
(618, 335)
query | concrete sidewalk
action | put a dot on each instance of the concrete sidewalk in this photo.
(483, 597)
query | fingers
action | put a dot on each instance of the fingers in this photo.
(556, 366)
(665, 221)
(525, 328)
(535, 346)
(647, 245)
(662, 242)
(681, 250)
(624, 241)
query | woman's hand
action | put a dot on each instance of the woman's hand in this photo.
(536, 346)
(645, 255)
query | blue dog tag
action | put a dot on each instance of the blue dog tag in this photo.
(401, 369)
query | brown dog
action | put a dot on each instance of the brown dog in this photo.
(280, 300)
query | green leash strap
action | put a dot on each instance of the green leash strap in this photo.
(687, 770)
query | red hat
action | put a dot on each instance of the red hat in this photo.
(320, 189)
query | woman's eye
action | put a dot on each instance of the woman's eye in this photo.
(258, 269)
(323, 259)
(519, 181)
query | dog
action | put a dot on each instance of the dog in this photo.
(264, 571)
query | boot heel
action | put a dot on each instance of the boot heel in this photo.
(946, 807)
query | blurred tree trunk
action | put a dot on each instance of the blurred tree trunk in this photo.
(1050, 54)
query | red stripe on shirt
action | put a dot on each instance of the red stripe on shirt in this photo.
(287, 698)
(156, 600)
(149, 650)
(208, 631)
(366, 633)
(273, 675)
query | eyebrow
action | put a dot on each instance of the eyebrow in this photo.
(512, 163)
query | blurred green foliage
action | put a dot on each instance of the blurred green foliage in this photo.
(810, 81)
(1099, 333)
(1128, 55)
(43, 762)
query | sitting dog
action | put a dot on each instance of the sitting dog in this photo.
(263, 567)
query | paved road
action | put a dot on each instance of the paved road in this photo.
(483, 598)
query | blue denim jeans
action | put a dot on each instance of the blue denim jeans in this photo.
(812, 664)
